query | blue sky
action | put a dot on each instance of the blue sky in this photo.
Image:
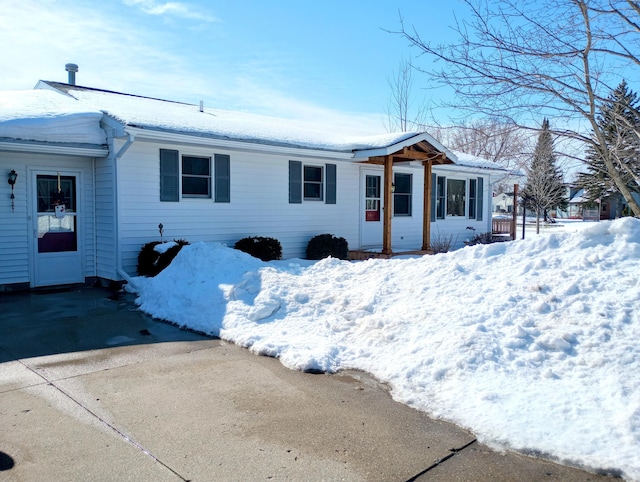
(326, 61)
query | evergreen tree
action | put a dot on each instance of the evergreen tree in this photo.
(619, 120)
(544, 189)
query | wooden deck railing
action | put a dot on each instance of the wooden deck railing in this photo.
(503, 226)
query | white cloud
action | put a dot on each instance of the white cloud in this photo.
(178, 9)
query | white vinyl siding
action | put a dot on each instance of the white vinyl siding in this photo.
(259, 207)
(106, 204)
(16, 236)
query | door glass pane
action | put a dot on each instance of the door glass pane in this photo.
(372, 198)
(57, 228)
(54, 190)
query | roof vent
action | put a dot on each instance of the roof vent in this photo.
(72, 69)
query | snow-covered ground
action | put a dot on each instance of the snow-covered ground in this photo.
(533, 345)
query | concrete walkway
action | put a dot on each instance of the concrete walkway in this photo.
(91, 389)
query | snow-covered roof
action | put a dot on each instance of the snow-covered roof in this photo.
(578, 197)
(46, 116)
(177, 117)
(469, 160)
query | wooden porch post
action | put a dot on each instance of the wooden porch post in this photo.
(388, 206)
(426, 214)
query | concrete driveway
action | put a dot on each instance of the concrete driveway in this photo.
(92, 389)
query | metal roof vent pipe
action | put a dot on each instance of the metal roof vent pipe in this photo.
(72, 69)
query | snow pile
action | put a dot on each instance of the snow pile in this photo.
(47, 116)
(532, 345)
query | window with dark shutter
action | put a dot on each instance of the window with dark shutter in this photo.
(480, 196)
(295, 182)
(169, 175)
(222, 176)
(331, 184)
(472, 199)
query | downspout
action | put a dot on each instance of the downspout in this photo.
(119, 269)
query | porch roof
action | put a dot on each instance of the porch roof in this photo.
(416, 146)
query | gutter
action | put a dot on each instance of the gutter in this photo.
(119, 269)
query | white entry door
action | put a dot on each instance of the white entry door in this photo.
(57, 244)
(372, 206)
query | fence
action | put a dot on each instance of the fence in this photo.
(501, 227)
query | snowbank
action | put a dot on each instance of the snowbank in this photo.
(532, 345)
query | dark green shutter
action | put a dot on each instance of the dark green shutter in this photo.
(169, 172)
(479, 196)
(331, 184)
(222, 182)
(295, 182)
(434, 189)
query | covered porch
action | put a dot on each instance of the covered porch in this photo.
(419, 149)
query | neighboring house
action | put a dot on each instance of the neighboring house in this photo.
(99, 171)
(610, 207)
(502, 203)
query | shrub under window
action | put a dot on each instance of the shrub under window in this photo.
(325, 245)
(266, 249)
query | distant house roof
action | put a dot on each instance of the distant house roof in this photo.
(578, 197)
(176, 117)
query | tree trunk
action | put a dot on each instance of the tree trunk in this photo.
(621, 185)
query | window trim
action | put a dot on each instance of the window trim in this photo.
(320, 184)
(195, 176)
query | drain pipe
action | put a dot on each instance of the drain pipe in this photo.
(119, 269)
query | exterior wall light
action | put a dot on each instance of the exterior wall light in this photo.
(13, 175)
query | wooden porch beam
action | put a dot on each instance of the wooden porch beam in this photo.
(410, 152)
(388, 205)
(426, 213)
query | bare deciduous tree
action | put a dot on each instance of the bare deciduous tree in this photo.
(403, 114)
(559, 59)
(505, 145)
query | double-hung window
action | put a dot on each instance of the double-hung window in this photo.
(402, 194)
(196, 176)
(313, 184)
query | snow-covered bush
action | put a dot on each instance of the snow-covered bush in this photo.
(156, 256)
(266, 249)
(325, 245)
